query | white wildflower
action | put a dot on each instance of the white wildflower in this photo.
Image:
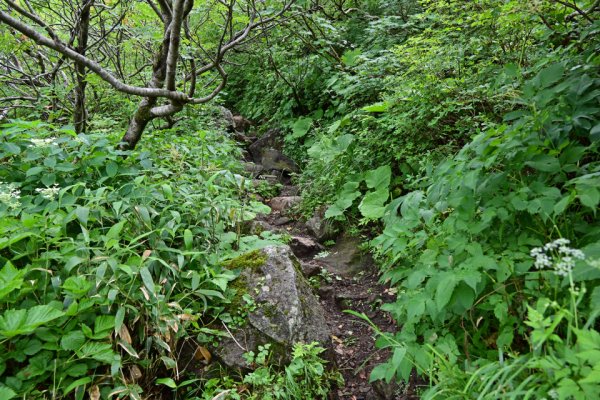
(10, 195)
(557, 255)
(49, 193)
(41, 142)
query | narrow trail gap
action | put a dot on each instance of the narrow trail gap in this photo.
(345, 278)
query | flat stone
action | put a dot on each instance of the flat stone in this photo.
(279, 204)
(346, 259)
(282, 221)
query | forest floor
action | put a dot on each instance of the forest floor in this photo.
(359, 290)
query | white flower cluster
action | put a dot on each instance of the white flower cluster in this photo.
(41, 142)
(10, 195)
(49, 193)
(557, 255)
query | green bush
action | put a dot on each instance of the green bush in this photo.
(458, 250)
(109, 258)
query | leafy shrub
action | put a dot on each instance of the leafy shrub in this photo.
(106, 260)
(458, 250)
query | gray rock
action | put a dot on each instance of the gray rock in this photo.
(240, 124)
(304, 247)
(279, 204)
(272, 159)
(319, 227)
(285, 311)
(253, 168)
(226, 118)
(270, 140)
(346, 259)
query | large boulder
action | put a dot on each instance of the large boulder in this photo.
(270, 140)
(283, 310)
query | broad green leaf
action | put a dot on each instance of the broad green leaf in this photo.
(372, 205)
(98, 351)
(77, 286)
(350, 57)
(82, 214)
(6, 393)
(72, 341)
(377, 107)
(167, 382)
(378, 178)
(544, 163)
(112, 168)
(444, 291)
(550, 75)
(301, 127)
(22, 322)
(188, 238)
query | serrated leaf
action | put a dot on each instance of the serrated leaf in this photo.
(10, 279)
(72, 341)
(98, 351)
(6, 393)
(22, 322)
(544, 163)
(82, 214)
(444, 291)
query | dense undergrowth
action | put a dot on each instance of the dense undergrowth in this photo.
(111, 261)
(466, 140)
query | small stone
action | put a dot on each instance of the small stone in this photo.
(304, 247)
(310, 269)
(282, 221)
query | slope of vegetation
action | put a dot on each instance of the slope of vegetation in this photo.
(460, 139)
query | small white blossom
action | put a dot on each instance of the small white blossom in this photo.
(10, 195)
(41, 142)
(557, 255)
(49, 193)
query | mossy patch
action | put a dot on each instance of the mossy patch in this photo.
(252, 261)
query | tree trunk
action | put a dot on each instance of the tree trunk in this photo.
(80, 113)
(143, 114)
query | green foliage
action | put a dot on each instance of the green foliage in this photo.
(108, 261)
(458, 249)
(305, 377)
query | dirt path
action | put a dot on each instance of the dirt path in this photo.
(345, 279)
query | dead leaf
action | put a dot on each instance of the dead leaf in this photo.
(221, 395)
(202, 354)
(186, 317)
(147, 253)
(124, 334)
(94, 393)
(337, 339)
(135, 372)
(146, 295)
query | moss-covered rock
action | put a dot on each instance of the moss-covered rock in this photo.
(284, 310)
